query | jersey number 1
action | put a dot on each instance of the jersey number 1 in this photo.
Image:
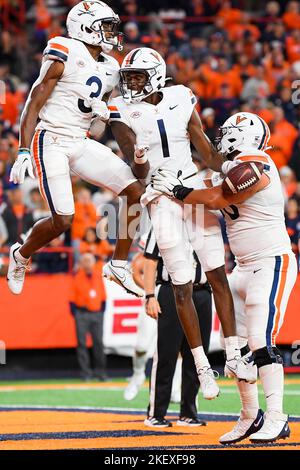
(93, 94)
(163, 137)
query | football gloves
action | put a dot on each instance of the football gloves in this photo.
(22, 164)
(100, 109)
(166, 182)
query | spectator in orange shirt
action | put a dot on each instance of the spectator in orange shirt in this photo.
(230, 15)
(102, 249)
(285, 129)
(276, 69)
(42, 14)
(291, 17)
(85, 214)
(244, 68)
(293, 46)
(226, 76)
(87, 304)
(243, 29)
(279, 147)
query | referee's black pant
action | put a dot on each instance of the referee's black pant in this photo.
(170, 342)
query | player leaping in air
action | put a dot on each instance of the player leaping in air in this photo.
(76, 78)
(264, 275)
(164, 120)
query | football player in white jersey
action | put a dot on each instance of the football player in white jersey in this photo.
(264, 275)
(76, 78)
(163, 121)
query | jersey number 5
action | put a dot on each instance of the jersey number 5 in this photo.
(93, 94)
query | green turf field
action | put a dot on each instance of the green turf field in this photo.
(110, 395)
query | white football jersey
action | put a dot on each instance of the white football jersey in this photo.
(256, 228)
(67, 110)
(167, 124)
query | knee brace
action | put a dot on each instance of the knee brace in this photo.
(267, 355)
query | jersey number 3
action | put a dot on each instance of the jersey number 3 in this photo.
(93, 94)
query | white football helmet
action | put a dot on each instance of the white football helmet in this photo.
(86, 21)
(243, 131)
(143, 59)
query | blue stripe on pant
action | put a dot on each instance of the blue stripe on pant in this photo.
(45, 182)
(272, 308)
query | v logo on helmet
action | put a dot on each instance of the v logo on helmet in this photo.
(240, 119)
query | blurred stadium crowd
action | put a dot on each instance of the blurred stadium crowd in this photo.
(235, 55)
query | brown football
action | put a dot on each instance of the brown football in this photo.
(242, 177)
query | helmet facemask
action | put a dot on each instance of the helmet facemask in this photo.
(136, 96)
(229, 139)
(107, 30)
(110, 27)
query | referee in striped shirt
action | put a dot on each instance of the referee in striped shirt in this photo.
(160, 304)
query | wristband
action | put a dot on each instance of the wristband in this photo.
(149, 296)
(24, 149)
(181, 192)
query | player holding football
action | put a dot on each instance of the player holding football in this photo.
(76, 78)
(265, 273)
(163, 122)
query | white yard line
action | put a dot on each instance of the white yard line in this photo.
(112, 409)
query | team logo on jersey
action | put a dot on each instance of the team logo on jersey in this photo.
(80, 63)
(135, 114)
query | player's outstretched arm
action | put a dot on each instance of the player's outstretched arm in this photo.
(49, 76)
(201, 142)
(126, 140)
(214, 198)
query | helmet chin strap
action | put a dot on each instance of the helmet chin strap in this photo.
(106, 48)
